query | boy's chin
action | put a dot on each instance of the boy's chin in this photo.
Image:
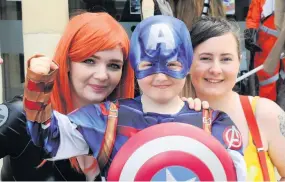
(162, 98)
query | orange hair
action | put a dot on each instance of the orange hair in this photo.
(85, 35)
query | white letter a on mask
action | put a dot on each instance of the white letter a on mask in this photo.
(160, 33)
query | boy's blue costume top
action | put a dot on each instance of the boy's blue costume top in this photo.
(101, 130)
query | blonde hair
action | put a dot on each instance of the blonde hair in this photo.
(190, 10)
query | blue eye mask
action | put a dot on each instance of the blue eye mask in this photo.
(160, 40)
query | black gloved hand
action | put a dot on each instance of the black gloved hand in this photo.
(250, 42)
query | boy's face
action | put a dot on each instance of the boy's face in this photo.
(160, 87)
(160, 41)
(161, 55)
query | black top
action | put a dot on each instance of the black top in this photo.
(21, 156)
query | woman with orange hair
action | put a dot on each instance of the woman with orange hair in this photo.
(93, 67)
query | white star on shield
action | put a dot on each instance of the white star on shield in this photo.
(170, 177)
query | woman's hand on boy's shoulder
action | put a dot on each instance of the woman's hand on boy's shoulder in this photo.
(196, 103)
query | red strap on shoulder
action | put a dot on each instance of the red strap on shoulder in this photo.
(109, 137)
(254, 130)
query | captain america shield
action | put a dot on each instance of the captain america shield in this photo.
(172, 152)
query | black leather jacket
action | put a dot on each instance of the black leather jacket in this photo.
(21, 157)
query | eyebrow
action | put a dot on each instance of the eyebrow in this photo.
(111, 60)
(227, 54)
(206, 53)
(210, 54)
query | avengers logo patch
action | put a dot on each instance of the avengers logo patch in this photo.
(172, 152)
(232, 138)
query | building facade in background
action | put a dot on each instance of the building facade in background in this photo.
(127, 12)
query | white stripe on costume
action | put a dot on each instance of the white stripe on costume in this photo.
(72, 142)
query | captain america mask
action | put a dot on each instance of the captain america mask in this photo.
(159, 41)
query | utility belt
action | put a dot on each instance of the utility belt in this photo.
(266, 29)
(269, 31)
